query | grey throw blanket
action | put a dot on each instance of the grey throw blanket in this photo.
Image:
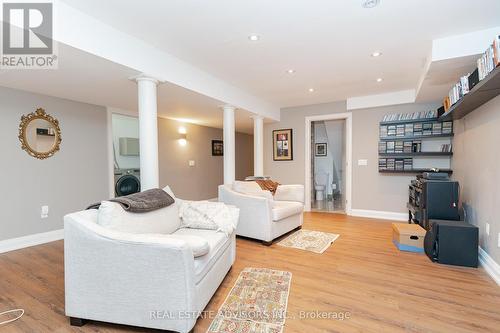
(142, 202)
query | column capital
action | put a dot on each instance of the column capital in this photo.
(144, 77)
(228, 107)
(257, 117)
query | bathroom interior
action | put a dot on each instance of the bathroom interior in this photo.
(328, 166)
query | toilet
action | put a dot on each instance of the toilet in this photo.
(320, 182)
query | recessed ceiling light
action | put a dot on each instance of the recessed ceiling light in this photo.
(254, 37)
(311, 89)
(376, 54)
(379, 79)
(370, 3)
(290, 71)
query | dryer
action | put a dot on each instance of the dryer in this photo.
(127, 181)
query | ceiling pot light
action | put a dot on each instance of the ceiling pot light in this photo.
(290, 71)
(254, 37)
(370, 3)
(311, 89)
(376, 54)
(379, 79)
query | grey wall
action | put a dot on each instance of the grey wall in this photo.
(370, 189)
(201, 181)
(476, 165)
(73, 178)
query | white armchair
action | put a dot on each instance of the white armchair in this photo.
(263, 216)
(146, 280)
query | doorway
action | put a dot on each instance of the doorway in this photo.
(328, 165)
(328, 158)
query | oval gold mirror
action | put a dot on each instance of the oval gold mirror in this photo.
(39, 134)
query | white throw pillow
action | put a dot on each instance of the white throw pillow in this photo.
(166, 220)
(208, 215)
(252, 188)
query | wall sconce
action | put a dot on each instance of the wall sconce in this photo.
(182, 136)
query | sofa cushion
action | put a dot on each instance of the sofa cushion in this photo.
(218, 243)
(166, 220)
(198, 245)
(284, 209)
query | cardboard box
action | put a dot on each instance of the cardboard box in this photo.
(408, 237)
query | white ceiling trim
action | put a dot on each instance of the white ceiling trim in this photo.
(372, 101)
(81, 31)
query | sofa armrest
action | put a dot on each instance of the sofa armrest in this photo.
(109, 274)
(255, 212)
(289, 193)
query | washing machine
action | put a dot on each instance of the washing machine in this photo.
(127, 181)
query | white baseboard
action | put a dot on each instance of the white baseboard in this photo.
(490, 266)
(378, 214)
(30, 240)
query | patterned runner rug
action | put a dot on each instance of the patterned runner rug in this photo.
(309, 240)
(256, 304)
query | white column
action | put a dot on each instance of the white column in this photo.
(148, 132)
(229, 150)
(258, 145)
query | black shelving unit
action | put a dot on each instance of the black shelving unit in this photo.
(418, 137)
(487, 89)
(422, 153)
(407, 121)
(449, 171)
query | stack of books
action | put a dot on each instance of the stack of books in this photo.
(447, 127)
(411, 116)
(383, 131)
(446, 148)
(427, 129)
(382, 147)
(417, 129)
(489, 60)
(408, 164)
(436, 128)
(396, 164)
(398, 147)
(400, 130)
(485, 65)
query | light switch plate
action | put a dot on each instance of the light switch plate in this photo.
(44, 212)
(362, 162)
(487, 229)
(192, 163)
(499, 239)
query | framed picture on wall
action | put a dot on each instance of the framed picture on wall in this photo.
(217, 148)
(320, 149)
(283, 145)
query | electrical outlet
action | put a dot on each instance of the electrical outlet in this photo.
(487, 229)
(192, 163)
(44, 212)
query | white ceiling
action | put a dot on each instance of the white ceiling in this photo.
(327, 42)
(90, 79)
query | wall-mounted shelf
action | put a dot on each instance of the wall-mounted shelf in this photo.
(415, 171)
(418, 137)
(423, 154)
(485, 90)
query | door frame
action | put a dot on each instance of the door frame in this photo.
(347, 116)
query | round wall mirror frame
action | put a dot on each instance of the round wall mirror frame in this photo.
(39, 134)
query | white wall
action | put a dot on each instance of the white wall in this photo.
(72, 179)
(125, 127)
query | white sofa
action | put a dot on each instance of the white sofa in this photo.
(262, 215)
(144, 280)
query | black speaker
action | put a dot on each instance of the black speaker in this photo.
(452, 243)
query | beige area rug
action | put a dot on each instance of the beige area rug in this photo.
(309, 240)
(256, 304)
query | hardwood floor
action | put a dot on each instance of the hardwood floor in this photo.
(362, 274)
